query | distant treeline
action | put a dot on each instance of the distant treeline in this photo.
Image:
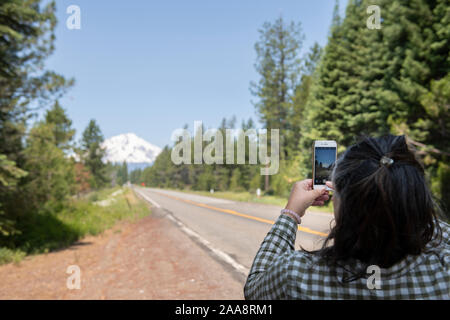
(363, 82)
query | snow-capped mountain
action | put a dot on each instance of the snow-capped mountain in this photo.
(135, 151)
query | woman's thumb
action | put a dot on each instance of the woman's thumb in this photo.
(315, 193)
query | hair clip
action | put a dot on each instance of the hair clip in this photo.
(386, 161)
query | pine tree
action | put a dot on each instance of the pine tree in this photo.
(122, 176)
(384, 80)
(302, 94)
(10, 175)
(160, 173)
(62, 126)
(235, 181)
(278, 65)
(136, 176)
(419, 85)
(51, 175)
(26, 41)
(434, 131)
(93, 154)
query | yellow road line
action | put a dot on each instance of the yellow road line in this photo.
(304, 229)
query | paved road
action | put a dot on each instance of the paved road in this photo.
(236, 228)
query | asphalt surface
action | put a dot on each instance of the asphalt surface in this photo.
(236, 228)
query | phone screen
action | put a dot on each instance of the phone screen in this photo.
(324, 158)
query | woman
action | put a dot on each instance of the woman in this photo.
(386, 242)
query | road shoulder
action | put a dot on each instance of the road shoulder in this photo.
(149, 259)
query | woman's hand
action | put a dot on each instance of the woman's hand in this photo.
(303, 195)
(329, 184)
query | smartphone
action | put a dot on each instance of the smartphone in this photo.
(324, 156)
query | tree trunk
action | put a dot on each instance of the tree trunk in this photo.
(266, 180)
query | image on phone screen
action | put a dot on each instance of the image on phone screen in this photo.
(323, 163)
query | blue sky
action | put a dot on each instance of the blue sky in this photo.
(326, 155)
(150, 67)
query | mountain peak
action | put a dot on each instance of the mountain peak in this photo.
(130, 148)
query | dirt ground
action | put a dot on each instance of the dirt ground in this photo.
(149, 259)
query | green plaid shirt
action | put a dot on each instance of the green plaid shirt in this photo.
(281, 272)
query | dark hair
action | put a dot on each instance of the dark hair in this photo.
(385, 210)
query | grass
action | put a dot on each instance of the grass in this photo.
(44, 232)
(250, 197)
(9, 255)
(91, 219)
